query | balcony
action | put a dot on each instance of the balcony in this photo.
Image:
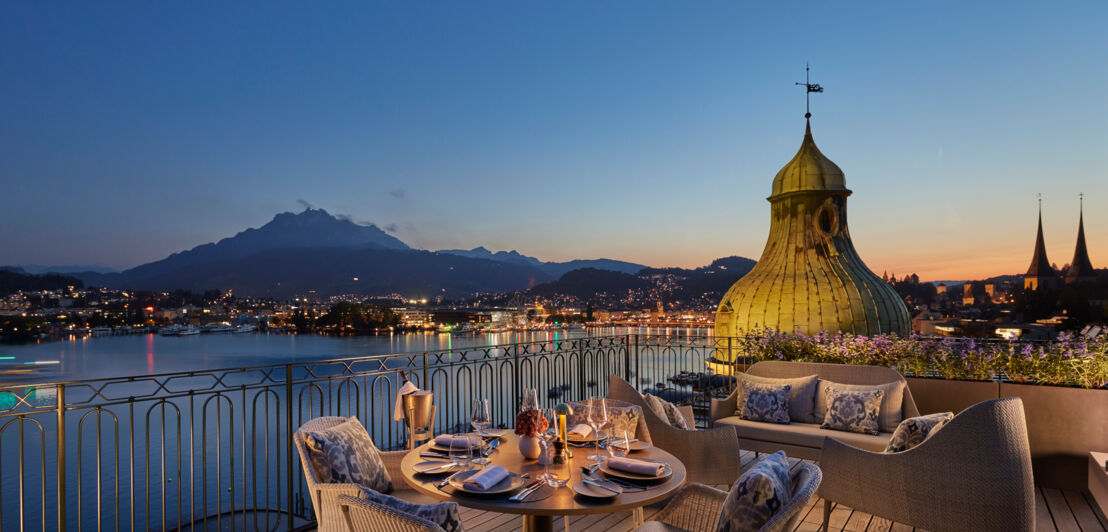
(211, 449)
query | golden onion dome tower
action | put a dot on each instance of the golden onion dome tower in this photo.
(810, 278)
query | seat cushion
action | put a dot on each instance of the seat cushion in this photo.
(759, 494)
(802, 395)
(345, 453)
(915, 430)
(803, 434)
(765, 402)
(892, 404)
(444, 514)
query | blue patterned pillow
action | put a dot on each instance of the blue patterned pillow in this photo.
(758, 495)
(765, 402)
(345, 453)
(444, 514)
(853, 411)
(914, 430)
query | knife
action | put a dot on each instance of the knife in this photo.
(592, 482)
(525, 492)
(447, 480)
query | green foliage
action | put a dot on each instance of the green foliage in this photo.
(1067, 361)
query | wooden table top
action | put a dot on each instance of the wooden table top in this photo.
(564, 501)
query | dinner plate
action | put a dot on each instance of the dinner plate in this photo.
(588, 490)
(634, 476)
(513, 482)
(493, 433)
(599, 436)
(474, 445)
(637, 445)
(435, 467)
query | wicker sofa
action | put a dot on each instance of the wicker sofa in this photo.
(799, 439)
(325, 497)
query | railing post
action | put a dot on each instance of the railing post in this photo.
(516, 393)
(60, 393)
(638, 360)
(289, 443)
(627, 360)
(426, 373)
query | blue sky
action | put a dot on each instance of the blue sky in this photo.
(643, 131)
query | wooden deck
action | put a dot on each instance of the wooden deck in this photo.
(1056, 510)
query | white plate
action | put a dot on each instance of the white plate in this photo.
(474, 444)
(637, 446)
(429, 467)
(634, 476)
(588, 490)
(513, 482)
(599, 436)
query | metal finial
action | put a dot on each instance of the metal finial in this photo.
(811, 87)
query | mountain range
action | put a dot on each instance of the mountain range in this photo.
(315, 251)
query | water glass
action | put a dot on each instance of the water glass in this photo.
(530, 399)
(545, 439)
(619, 447)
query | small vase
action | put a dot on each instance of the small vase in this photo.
(529, 447)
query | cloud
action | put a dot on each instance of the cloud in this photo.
(304, 203)
(398, 193)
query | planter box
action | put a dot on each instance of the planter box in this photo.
(1063, 424)
(941, 395)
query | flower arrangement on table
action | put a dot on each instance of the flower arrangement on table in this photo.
(530, 422)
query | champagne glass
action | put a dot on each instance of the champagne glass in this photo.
(619, 447)
(481, 421)
(597, 417)
(545, 438)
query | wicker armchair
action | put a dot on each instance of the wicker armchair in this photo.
(359, 514)
(973, 474)
(697, 508)
(710, 456)
(325, 496)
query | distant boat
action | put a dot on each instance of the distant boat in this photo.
(189, 331)
(217, 328)
(243, 329)
(171, 330)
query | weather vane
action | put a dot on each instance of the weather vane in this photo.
(812, 87)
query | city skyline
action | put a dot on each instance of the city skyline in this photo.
(649, 135)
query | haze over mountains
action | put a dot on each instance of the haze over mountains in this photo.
(296, 253)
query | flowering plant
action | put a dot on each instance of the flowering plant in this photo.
(1069, 360)
(530, 422)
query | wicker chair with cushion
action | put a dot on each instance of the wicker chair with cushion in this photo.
(325, 495)
(697, 508)
(359, 514)
(973, 474)
(709, 456)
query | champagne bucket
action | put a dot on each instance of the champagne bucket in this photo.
(417, 408)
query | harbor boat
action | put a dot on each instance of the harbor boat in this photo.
(171, 330)
(242, 329)
(189, 331)
(215, 328)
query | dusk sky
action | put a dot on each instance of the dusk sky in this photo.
(641, 131)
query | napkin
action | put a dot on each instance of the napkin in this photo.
(448, 441)
(581, 430)
(398, 410)
(486, 478)
(638, 467)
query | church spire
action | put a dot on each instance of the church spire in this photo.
(1081, 268)
(1039, 273)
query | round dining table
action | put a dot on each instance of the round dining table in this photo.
(538, 515)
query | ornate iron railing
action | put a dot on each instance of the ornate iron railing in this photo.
(212, 449)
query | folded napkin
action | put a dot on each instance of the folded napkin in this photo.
(638, 467)
(486, 478)
(449, 441)
(581, 430)
(398, 410)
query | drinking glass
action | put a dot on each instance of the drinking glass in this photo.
(619, 447)
(597, 417)
(459, 452)
(481, 421)
(530, 399)
(545, 439)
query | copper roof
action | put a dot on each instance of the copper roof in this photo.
(809, 169)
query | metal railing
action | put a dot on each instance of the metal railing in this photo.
(213, 449)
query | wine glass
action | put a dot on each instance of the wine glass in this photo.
(530, 399)
(545, 438)
(481, 421)
(597, 417)
(619, 447)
